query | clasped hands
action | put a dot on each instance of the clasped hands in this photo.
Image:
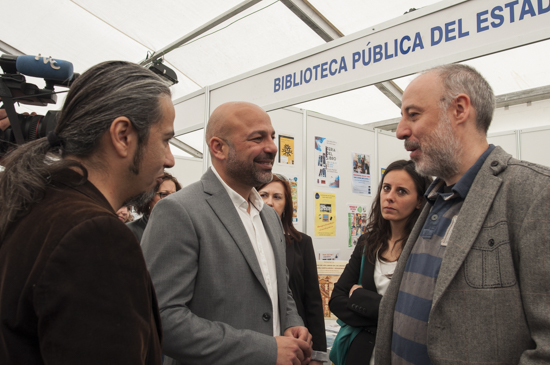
(294, 347)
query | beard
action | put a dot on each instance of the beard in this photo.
(441, 151)
(142, 198)
(246, 172)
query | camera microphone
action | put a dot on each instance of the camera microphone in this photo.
(38, 66)
(14, 88)
(45, 67)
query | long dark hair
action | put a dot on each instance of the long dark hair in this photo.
(286, 219)
(379, 229)
(106, 91)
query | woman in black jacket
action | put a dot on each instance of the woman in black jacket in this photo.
(300, 261)
(393, 214)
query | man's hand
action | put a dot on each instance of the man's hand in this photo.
(299, 332)
(292, 351)
(4, 121)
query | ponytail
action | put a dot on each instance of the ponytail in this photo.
(27, 173)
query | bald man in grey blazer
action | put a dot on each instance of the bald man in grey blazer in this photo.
(216, 255)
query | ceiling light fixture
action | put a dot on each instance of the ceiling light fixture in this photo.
(166, 73)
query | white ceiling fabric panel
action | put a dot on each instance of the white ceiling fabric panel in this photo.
(264, 37)
(64, 30)
(158, 23)
(514, 70)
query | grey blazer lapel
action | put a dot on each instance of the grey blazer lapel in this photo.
(223, 207)
(470, 219)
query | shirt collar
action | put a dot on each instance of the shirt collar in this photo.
(254, 197)
(462, 187)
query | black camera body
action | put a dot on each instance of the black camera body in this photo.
(14, 88)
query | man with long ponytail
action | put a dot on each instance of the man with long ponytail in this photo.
(74, 288)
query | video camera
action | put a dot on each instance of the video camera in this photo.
(14, 88)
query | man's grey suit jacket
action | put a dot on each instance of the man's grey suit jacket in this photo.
(491, 302)
(213, 300)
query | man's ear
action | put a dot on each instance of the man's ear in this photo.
(123, 136)
(218, 148)
(461, 108)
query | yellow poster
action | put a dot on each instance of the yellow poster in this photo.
(325, 215)
(286, 150)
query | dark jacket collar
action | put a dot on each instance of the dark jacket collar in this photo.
(70, 179)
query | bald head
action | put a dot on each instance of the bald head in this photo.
(226, 117)
(241, 142)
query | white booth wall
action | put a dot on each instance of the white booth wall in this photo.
(516, 117)
(186, 169)
(523, 131)
(506, 140)
(190, 111)
(350, 138)
(535, 146)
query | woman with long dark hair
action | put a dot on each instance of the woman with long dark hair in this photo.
(301, 263)
(393, 214)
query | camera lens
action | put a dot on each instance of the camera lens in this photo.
(32, 126)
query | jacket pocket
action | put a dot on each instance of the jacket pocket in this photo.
(489, 263)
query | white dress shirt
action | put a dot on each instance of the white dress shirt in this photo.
(260, 242)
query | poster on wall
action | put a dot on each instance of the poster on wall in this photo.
(328, 273)
(357, 222)
(325, 215)
(326, 163)
(327, 254)
(360, 174)
(293, 180)
(286, 150)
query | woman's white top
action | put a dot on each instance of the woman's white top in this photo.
(383, 272)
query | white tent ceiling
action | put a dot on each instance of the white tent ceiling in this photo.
(86, 32)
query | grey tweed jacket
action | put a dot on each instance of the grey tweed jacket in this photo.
(491, 302)
(213, 300)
